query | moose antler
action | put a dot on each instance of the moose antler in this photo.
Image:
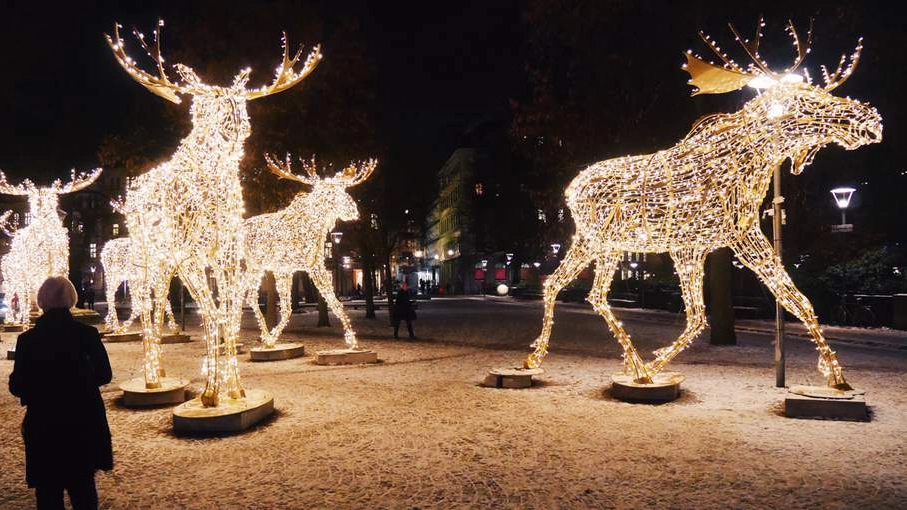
(159, 85)
(356, 173)
(841, 74)
(6, 188)
(353, 174)
(284, 170)
(710, 78)
(285, 76)
(77, 182)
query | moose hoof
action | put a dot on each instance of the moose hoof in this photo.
(664, 387)
(511, 377)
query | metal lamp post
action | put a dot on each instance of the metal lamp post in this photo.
(336, 237)
(842, 200)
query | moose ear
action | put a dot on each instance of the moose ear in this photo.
(711, 79)
(803, 158)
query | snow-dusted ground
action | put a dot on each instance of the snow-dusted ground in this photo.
(417, 431)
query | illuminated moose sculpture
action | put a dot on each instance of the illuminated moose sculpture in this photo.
(119, 268)
(292, 239)
(185, 215)
(705, 192)
(40, 249)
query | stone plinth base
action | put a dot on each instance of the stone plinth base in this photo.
(175, 338)
(229, 416)
(172, 391)
(511, 377)
(85, 316)
(825, 403)
(665, 387)
(13, 328)
(345, 357)
(129, 336)
(276, 353)
(11, 354)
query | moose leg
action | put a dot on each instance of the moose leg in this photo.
(110, 291)
(755, 251)
(284, 284)
(598, 297)
(141, 298)
(689, 265)
(252, 299)
(194, 276)
(322, 280)
(573, 262)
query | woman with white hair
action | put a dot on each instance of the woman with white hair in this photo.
(60, 363)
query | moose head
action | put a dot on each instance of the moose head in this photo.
(788, 102)
(43, 202)
(224, 105)
(328, 197)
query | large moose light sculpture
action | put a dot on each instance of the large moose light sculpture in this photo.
(292, 239)
(185, 216)
(40, 249)
(119, 269)
(705, 192)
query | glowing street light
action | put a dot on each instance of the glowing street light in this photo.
(555, 248)
(336, 237)
(842, 200)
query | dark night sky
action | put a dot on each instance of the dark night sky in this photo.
(440, 67)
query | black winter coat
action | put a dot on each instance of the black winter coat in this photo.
(403, 307)
(60, 363)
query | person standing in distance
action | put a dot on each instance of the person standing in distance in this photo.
(403, 310)
(60, 364)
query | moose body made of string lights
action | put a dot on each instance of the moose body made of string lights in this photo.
(41, 248)
(705, 192)
(119, 269)
(292, 239)
(185, 216)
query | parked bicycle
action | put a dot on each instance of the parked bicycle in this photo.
(853, 313)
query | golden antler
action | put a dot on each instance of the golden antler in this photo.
(285, 76)
(159, 85)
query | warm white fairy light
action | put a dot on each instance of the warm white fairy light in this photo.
(704, 193)
(185, 215)
(119, 268)
(40, 249)
(292, 239)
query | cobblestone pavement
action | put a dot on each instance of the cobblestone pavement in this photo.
(417, 430)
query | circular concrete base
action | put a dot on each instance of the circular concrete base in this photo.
(230, 415)
(345, 357)
(13, 328)
(826, 403)
(665, 387)
(175, 338)
(129, 336)
(511, 377)
(277, 353)
(172, 391)
(11, 354)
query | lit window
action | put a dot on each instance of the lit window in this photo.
(93, 250)
(542, 216)
(479, 189)
(81, 227)
(27, 218)
(116, 229)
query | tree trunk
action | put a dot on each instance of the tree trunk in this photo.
(368, 286)
(722, 303)
(271, 300)
(323, 321)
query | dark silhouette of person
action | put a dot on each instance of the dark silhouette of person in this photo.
(403, 310)
(89, 297)
(60, 363)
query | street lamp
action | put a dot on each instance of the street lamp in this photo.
(336, 237)
(842, 200)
